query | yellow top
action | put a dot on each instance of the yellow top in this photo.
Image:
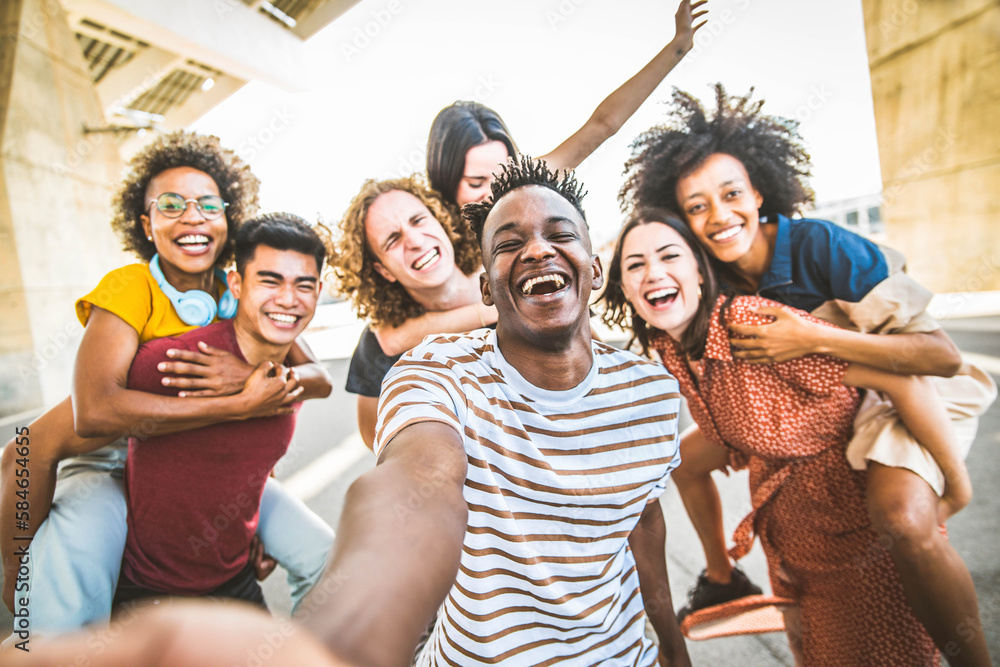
(131, 293)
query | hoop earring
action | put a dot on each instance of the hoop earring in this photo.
(699, 292)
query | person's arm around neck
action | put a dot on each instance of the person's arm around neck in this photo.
(397, 340)
(104, 406)
(397, 550)
(931, 353)
(314, 379)
(648, 544)
(209, 371)
(791, 336)
(619, 106)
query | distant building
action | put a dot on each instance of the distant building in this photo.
(862, 215)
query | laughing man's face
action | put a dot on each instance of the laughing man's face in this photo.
(277, 294)
(411, 245)
(539, 267)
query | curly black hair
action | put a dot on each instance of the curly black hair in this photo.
(769, 147)
(237, 186)
(517, 174)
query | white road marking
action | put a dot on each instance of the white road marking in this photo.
(308, 482)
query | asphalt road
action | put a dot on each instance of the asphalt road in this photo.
(326, 455)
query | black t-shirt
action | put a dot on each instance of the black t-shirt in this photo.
(369, 364)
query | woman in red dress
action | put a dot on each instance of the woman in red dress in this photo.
(792, 422)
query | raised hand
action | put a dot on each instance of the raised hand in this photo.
(684, 20)
(211, 372)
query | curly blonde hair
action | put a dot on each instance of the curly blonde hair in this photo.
(353, 262)
(237, 186)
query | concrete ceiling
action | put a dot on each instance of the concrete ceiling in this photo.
(168, 62)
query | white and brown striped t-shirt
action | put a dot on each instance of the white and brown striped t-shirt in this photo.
(556, 482)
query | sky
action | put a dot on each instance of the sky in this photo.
(380, 73)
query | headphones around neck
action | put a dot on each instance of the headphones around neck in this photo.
(195, 307)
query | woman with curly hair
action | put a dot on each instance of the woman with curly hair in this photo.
(402, 254)
(469, 141)
(791, 422)
(178, 208)
(735, 178)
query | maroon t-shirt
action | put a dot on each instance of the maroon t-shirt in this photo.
(194, 496)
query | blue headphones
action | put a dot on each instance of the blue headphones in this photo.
(194, 307)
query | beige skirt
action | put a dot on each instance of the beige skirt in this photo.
(879, 434)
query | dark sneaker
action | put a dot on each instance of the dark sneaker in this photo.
(707, 594)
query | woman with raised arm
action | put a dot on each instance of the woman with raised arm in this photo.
(178, 207)
(467, 143)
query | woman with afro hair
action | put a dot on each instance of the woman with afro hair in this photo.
(736, 177)
(179, 205)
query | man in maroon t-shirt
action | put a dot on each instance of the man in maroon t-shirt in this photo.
(194, 496)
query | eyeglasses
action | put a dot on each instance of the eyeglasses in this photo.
(173, 205)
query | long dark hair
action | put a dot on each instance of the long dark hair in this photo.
(620, 313)
(455, 130)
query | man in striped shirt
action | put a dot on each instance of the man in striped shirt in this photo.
(519, 471)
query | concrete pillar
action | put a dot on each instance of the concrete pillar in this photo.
(55, 188)
(935, 72)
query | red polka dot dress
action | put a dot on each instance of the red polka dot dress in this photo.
(794, 420)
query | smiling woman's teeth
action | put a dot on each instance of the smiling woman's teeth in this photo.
(555, 278)
(727, 233)
(426, 259)
(193, 239)
(283, 318)
(661, 295)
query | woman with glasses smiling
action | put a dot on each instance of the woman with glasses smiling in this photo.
(178, 209)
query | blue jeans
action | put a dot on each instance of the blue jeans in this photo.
(76, 555)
